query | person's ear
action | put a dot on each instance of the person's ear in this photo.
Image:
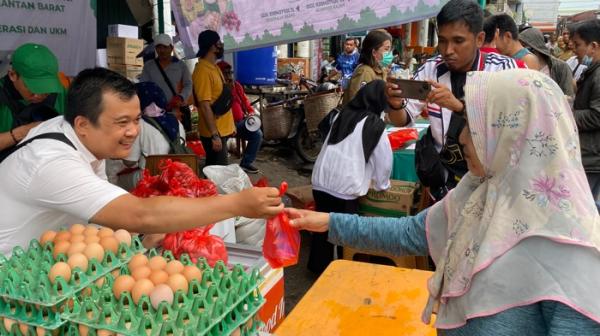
(479, 39)
(82, 125)
(13, 75)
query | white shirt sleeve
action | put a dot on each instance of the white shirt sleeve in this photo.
(69, 185)
(382, 160)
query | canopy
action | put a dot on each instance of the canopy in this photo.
(248, 24)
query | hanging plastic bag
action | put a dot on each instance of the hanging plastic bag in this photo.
(399, 138)
(282, 242)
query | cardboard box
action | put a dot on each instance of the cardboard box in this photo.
(124, 51)
(297, 66)
(394, 202)
(132, 72)
(119, 30)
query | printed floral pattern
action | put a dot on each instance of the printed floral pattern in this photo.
(520, 227)
(546, 191)
(542, 145)
(510, 120)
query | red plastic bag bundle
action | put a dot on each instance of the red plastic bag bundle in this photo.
(400, 137)
(282, 242)
(178, 179)
(197, 148)
(197, 243)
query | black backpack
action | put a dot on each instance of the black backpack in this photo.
(177, 146)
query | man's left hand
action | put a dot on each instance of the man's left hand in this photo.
(442, 96)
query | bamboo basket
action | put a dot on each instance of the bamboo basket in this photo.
(276, 122)
(317, 106)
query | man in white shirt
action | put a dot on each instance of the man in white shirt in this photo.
(460, 35)
(51, 183)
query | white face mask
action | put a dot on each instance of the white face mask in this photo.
(153, 110)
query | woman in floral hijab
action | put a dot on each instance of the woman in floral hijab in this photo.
(517, 242)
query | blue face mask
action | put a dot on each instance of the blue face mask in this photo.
(587, 61)
(387, 59)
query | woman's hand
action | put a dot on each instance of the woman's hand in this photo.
(308, 220)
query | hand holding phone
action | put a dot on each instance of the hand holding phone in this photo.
(412, 89)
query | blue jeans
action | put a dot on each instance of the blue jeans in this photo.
(254, 139)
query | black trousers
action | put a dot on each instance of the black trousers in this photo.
(321, 251)
(212, 157)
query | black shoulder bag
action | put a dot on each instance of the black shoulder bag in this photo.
(223, 103)
(53, 135)
(185, 110)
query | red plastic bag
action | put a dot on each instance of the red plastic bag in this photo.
(399, 138)
(197, 243)
(262, 182)
(282, 242)
(197, 148)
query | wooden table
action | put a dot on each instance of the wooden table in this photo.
(354, 298)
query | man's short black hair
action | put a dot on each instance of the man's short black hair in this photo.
(85, 93)
(589, 31)
(353, 39)
(489, 28)
(466, 11)
(505, 23)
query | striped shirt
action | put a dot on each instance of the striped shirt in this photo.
(435, 69)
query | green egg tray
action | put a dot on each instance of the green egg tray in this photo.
(26, 293)
(218, 304)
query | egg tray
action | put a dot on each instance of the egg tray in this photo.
(32, 331)
(221, 301)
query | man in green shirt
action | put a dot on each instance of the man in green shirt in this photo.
(30, 93)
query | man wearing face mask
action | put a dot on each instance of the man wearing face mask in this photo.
(586, 107)
(580, 62)
(213, 99)
(460, 35)
(31, 92)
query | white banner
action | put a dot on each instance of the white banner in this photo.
(67, 27)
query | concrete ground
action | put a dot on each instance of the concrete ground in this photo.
(280, 163)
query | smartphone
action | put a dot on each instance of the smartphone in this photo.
(412, 89)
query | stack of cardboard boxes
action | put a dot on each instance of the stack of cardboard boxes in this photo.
(122, 50)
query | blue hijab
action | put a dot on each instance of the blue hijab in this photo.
(148, 93)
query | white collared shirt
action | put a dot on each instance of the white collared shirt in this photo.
(47, 185)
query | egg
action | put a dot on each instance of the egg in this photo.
(236, 332)
(137, 260)
(90, 230)
(61, 247)
(116, 273)
(110, 243)
(105, 232)
(157, 262)
(94, 251)
(39, 331)
(24, 328)
(174, 267)
(77, 238)
(100, 282)
(123, 283)
(78, 247)
(91, 239)
(161, 293)
(59, 269)
(123, 236)
(142, 272)
(78, 260)
(47, 236)
(103, 332)
(159, 277)
(83, 330)
(8, 323)
(62, 235)
(192, 272)
(141, 287)
(177, 282)
(77, 229)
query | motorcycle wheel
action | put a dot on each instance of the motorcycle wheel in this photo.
(308, 146)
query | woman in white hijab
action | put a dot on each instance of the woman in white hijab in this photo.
(517, 242)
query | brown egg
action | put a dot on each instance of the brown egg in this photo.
(61, 247)
(94, 251)
(77, 238)
(141, 287)
(123, 283)
(123, 236)
(78, 260)
(157, 262)
(174, 267)
(116, 273)
(142, 272)
(159, 277)
(8, 323)
(59, 269)
(137, 260)
(47, 236)
(83, 330)
(103, 332)
(110, 243)
(192, 272)
(105, 232)
(62, 235)
(159, 294)
(39, 331)
(90, 230)
(78, 247)
(24, 328)
(100, 282)
(176, 282)
(236, 332)
(77, 229)
(91, 239)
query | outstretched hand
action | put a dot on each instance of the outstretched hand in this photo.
(308, 220)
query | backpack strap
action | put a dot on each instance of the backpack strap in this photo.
(52, 135)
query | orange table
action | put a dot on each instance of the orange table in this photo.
(354, 298)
